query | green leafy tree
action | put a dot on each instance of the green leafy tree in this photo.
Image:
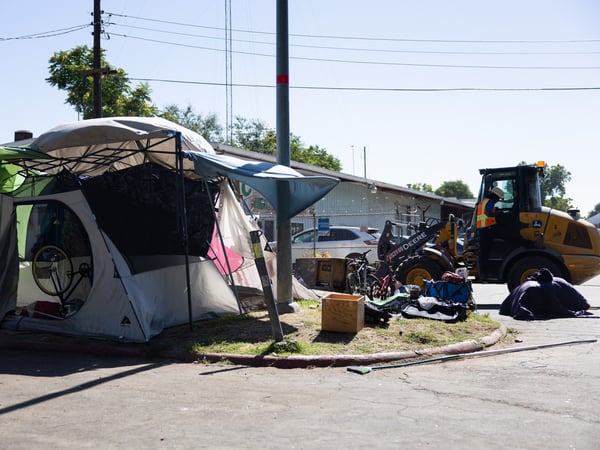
(594, 211)
(456, 189)
(254, 135)
(71, 71)
(207, 126)
(553, 190)
(423, 187)
(316, 156)
(552, 187)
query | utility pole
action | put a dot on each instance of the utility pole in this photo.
(365, 160)
(97, 69)
(285, 301)
(228, 75)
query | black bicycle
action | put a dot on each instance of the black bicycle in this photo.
(360, 278)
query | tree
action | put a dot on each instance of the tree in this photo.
(254, 135)
(456, 189)
(423, 187)
(207, 126)
(553, 190)
(594, 211)
(72, 71)
(552, 187)
(316, 156)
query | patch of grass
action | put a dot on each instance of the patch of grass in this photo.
(251, 334)
(286, 348)
(421, 337)
(484, 318)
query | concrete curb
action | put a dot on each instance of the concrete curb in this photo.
(18, 342)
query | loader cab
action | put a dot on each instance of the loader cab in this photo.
(521, 188)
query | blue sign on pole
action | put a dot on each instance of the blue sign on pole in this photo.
(323, 226)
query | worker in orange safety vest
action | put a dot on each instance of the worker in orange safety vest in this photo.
(485, 224)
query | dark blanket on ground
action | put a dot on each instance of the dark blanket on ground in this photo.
(544, 296)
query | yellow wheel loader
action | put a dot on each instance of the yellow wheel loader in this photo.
(534, 237)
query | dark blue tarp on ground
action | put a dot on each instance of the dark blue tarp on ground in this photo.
(545, 297)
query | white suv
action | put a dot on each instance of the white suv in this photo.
(340, 242)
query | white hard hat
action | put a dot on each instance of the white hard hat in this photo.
(497, 191)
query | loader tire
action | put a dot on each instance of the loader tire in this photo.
(519, 272)
(416, 269)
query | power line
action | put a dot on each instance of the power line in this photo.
(380, 63)
(359, 49)
(452, 66)
(359, 89)
(366, 38)
(46, 34)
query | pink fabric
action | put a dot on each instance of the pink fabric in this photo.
(215, 252)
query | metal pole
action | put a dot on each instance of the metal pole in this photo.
(316, 233)
(261, 266)
(97, 69)
(183, 222)
(228, 74)
(284, 228)
(365, 161)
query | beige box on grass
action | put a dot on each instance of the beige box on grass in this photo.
(344, 313)
(332, 273)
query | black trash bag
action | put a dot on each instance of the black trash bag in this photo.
(376, 316)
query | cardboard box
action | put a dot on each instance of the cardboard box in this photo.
(344, 313)
(328, 274)
(332, 273)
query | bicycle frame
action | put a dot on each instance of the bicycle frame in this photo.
(361, 278)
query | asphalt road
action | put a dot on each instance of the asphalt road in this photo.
(537, 399)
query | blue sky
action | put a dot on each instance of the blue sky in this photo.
(434, 90)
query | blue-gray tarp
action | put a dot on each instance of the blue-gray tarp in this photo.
(288, 191)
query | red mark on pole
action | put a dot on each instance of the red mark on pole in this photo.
(283, 79)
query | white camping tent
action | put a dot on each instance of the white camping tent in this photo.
(105, 227)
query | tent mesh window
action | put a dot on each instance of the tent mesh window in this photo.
(53, 223)
(137, 209)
